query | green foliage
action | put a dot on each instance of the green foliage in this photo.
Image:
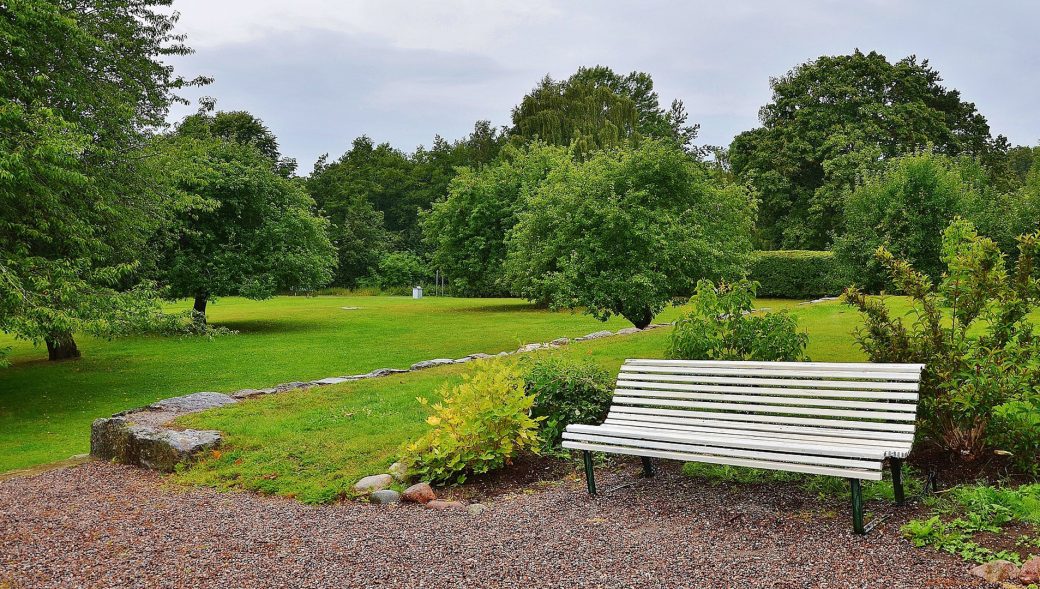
(566, 392)
(905, 207)
(248, 230)
(626, 231)
(835, 118)
(80, 83)
(596, 109)
(796, 274)
(720, 326)
(238, 127)
(478, 426)
(400, 271)
(974, 335)
(467, 231)
(969, 510)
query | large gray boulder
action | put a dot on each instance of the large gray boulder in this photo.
(120, 440)
(431, 363)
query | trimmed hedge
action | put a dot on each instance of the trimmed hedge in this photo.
(796, 274)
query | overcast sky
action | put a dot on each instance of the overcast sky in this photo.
(322, 72)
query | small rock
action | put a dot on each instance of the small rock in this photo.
(628, 331)
(419, 493)
(431, 363)
(529, 348)
(331, 380)
(350, 308)
(385, 497)
(597, 335)
(502, 354)
(478, 356)
(441, 505)
(476, 508)
(560, 341)
(996, 571)
(289, 386)
(377, 373)
(1030, 571)
(398, 471)
(463, 360)
(376, 482)
(193, 402)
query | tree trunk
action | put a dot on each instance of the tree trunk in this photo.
(641, 320)
(199, 311)
(61, 346)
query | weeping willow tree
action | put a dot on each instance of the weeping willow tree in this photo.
(597, 108)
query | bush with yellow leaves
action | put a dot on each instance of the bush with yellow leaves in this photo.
(478, 426)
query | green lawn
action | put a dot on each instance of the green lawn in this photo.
(46, 408)
(313, 445)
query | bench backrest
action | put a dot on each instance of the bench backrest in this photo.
(845, 400)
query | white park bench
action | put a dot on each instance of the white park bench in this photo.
(837, 419)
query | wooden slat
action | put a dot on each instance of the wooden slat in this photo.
(874, 475)
(808, 421)
(766, 390)
(824, 387)
(750, 408)
(769, 400)
(725, 441)
(805, 373)
(860, 366)
(755, 428)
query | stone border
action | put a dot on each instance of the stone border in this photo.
(144, 437)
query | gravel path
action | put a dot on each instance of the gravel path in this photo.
(106, 526)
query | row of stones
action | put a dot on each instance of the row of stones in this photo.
(1002, 571)
(377, 488)
(141, 437)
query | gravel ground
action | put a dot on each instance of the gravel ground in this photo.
(106, 526)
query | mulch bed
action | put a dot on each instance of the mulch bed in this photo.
(110, 526)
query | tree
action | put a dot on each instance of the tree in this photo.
(907, 205)
(249, 231)
(238, 126)
(833, 119)
(597, 108)
(626, 231)
(467, 230)
(81, 84)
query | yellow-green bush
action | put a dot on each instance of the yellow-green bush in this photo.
(796, 274)
(479, 425)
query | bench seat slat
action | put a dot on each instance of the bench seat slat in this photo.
(728, 441)
(873, 475)
(652, 418)
(889, 447)
(813, 459)
(767, 400)
(856, 375)
(840, 385)
(808, 421)
(785, 410)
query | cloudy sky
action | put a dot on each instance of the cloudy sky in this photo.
(322, 72)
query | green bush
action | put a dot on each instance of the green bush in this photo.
(973, 332)
(566, 392)
(796, 274)
(400, 271)
(720, 326)
(478, 426)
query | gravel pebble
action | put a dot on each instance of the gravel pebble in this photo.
(111, 526)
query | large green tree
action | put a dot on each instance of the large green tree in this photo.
(833, 119)
(596, 108)
(80, 84)
(627, 231)
(247, 230)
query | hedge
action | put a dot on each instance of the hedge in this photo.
(796, 274)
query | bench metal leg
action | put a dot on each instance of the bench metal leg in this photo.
(590, 477)
(857, 506)
(648, 466)
(896, 464)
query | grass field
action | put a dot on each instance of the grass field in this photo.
(313, 445)
(46, 408)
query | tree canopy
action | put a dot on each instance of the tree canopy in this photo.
(831, 120)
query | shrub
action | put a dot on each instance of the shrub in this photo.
(720, 326)
(796, 274)
(566, 392)
(981, 383)
(400, 271)
(478, 426)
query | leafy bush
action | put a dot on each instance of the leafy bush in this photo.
(478, 426)
(796, 274)
(400, 271)
(720, 326)
(566, 392)
(981, 383)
